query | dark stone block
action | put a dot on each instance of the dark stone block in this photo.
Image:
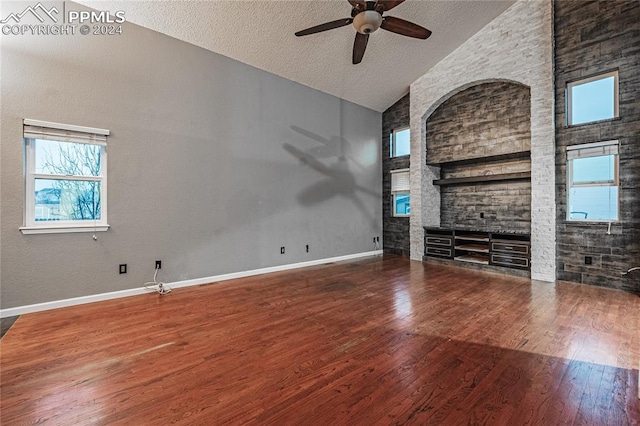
(486, 119)
(593, 37)
(395, 229)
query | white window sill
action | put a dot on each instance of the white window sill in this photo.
(28, 230)
(591, 222)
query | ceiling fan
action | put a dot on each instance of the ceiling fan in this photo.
(366, 17)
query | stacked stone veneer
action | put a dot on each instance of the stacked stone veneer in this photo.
(395, 230)
(517, 46)
(592, 38)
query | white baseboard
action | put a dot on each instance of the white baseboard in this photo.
(45, 306)
(234, 275)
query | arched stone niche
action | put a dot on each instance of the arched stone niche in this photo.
(516, 47)
(484, 130)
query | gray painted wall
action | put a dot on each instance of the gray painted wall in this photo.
(213, 164)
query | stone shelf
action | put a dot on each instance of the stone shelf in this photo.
(473, 258)
(487, 178)
(523, 155)
(480, 248)
(473, 237)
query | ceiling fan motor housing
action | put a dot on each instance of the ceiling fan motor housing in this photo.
(367, 21)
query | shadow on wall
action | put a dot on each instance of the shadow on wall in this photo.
(339, 180)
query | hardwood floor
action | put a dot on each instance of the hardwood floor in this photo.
(377, 341)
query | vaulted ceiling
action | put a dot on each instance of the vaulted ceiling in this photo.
(261, 33)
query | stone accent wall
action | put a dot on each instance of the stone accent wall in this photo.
(487, 207)
(517, 46)
(395, 230)
(483, 120)
(593, 37)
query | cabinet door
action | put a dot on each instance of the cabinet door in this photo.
(507, 260)
(439, 241)
(510, 247)
(437, 251)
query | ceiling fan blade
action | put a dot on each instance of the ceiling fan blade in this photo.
(324, 27)
(388, 4)
(359, 46)
(405, 28)
(357, 3)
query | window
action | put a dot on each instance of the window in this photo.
(592, 182)
(65, 178)
(592, 99)
(400, 197)
(400, 142)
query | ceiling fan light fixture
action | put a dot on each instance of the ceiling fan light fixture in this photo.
(366, 17)
(367, 21)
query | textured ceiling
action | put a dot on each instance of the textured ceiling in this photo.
(261, 34)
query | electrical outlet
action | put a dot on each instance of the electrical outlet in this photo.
(374, 240)
(281, 250)
(378, 239)
(588, 260)
(307, 248)
(158, 264)
(123, 268)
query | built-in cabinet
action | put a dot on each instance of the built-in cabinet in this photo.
(511, 250)
(471, 246)
(439, 243)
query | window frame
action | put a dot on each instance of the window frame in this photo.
(615, 183)
(392, 141)
(569, 96)
(67, 134)
(403, 187)
(393, 204)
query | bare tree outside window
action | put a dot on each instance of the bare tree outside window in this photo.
(74, 198)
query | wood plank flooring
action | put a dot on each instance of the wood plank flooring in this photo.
(378, 341)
